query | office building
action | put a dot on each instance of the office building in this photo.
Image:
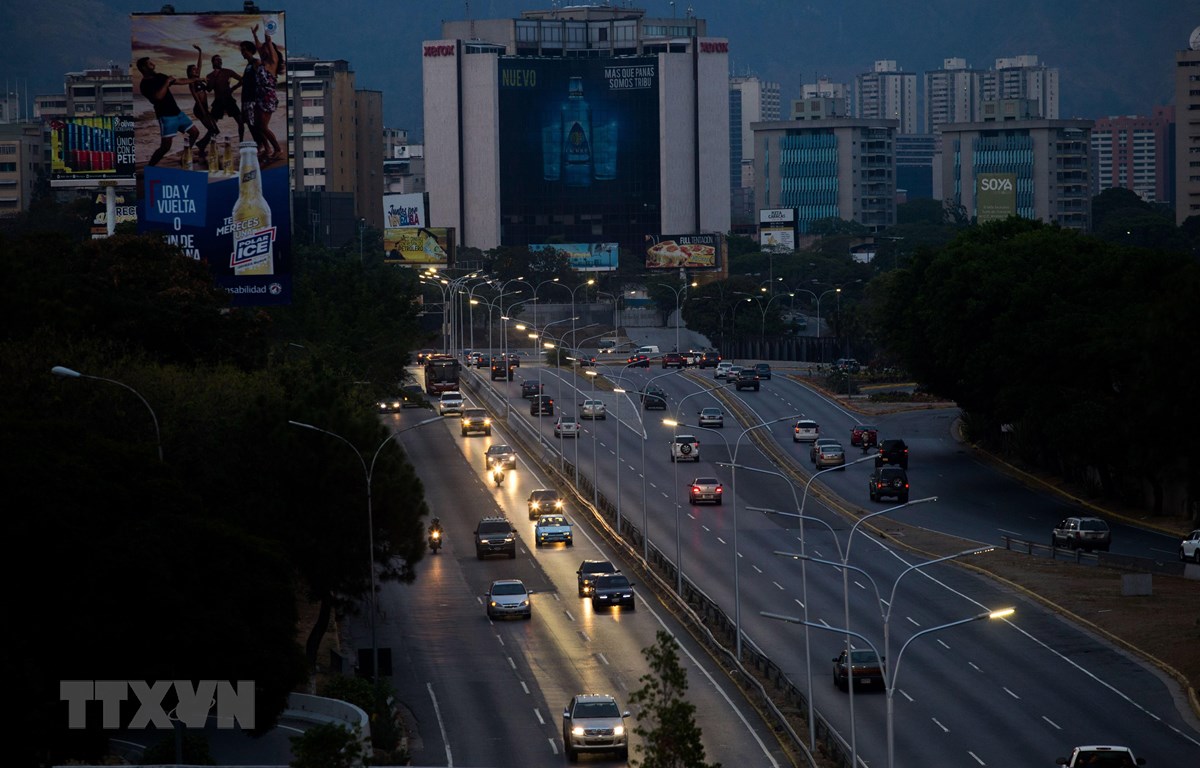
(1133, 152)
(750, 101)
(825, 88)
(827, 167)
(579, 124)
(886, 93)
(914, 165)
(953, 94)
(1022, 77)
(22, 158)
(1016, 163)
(1187, 130)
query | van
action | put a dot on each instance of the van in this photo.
(647, 350)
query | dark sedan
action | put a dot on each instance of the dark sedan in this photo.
(610, 590)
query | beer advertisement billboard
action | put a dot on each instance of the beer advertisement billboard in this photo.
(86, 150)
(995, 196)
(579, 157)
(423, 246)
(583, 257)
(211, 145)
(700, 251)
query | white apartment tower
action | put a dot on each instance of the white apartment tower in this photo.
(952, 94)
(1021, 77)
(825, 88)
(886, 93)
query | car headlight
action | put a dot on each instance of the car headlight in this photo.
(619, 730)
(558, 504)
(577, 730)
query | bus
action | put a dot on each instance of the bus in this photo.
(441, 374)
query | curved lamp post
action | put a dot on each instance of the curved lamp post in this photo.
(68, 373)
(678, 303)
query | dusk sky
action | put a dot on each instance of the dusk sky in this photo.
(1114, 57)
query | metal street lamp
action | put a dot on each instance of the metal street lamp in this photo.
(595, 476)
(620, 393)
(368, 472)
(68, 373)
(678, 302)
(831, 290)
(740, 302)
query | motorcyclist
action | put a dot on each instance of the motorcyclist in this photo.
(868, 439)
(435, 534)
(497, 474)
(435, 524)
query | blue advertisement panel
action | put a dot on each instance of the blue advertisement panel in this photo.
(90, 148)
(579, 143)
(584, 257)
(211, 152)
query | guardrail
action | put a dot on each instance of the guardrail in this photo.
(1105, 559)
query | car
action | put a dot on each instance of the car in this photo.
(483, 361)
(592, 722)
(812, 450)
(513, 359)
(673, 360)
(541, 405)
(721, 369)
(593, 409)
(711, 417)
(709, 359)
(425, 354)
(390, 404)
(412, 396)
(495, 536)
(706, 489)
(830, 455)
(502, 371)
(654, 398)
(476, 420)
(544, 501)
(1101, 756)
(501, 454)
(847, 365)
(450, 404)
(805, 431)
(746, 379)
(531, 388)
(1086, 533)
(566, 426)
(892, 451)
(731, 373)
(1189, 548)
(508, 597)
(888, 480)
(589, 570)
(638, 361)
(685, 448)
(860, 431)
(552, 528)
(612, 589)
(763, 370)
(867, 669)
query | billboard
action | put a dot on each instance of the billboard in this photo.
(776, 239)
(424, 246)
(86, 150)
(125, 210)
(405, 210)
(211, 152)
(580, 149)
(995, 196)
(584, 257)
(688, 251)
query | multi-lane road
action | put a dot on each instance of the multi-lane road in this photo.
(1016, 691)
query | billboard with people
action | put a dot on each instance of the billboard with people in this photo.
(211, 152)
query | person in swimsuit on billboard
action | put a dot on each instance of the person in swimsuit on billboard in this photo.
(156, 87)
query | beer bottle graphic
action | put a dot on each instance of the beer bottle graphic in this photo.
(577, 136)
(253, 235)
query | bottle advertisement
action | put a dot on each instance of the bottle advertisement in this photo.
(211, 145)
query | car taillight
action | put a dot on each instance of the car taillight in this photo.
(720, 488)
(695, 489)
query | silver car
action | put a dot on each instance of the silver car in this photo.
(593, 409)
(508, 597)
(594, 723)
(450, 403)
(830, 455)
(712, 418)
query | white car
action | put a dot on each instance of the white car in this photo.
(552, 528)
(566, 426)
(1189, 548)
(594, 723)
(805, 431)
(685, 448)
(722, 369)
(593, 409)
(1101, 756)
(450, 403)
(508, 597)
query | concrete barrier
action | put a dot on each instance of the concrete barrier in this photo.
(318, 709)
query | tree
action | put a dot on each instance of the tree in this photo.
(667, 726)
(327, 745)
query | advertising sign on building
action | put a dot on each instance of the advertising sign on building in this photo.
(777, 216)
(424, 246)
(211, 145)
(700, 251)
(584, 257)
(85, 150)
(995, 196)
(580, 139)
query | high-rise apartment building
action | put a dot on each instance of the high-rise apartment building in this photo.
(579, 124)
(22, 157)
(1187, 130)
(886, 93)
(1022, 77)
(952, 94)
(825, 88)
(750, 101)
(1133, 152)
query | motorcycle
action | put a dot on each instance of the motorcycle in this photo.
(435, 540)
(498, 476)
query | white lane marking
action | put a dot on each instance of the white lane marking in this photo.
(943, 644)
(975, 666)
(905, 695)
(603, 658)
(524, 687)
(939, 725)
(512, 663)
(799, 603)
(553, 746)
(913, 621)
(437, 711)
(1010, 693)
(860, 585)
(538, 714)
(972, 754)
(1048, 720)
(755, 567)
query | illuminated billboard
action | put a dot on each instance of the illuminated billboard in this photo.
(423, 246)
(579, 149)
(995, 196)
(584, 257)
(405, 210)
(211, 152)
(86, 150)
(702, 251)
